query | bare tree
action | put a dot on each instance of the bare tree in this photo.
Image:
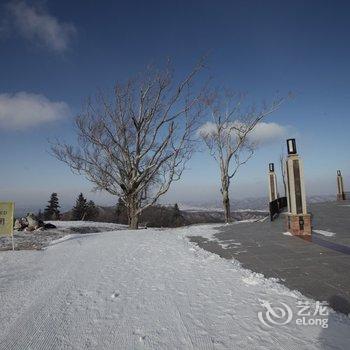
(137, 142)
(283, 172)
(228, 136)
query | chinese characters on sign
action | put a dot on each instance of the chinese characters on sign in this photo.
(6, 218)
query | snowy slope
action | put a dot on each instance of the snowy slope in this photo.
(146, 289)
(70, 224)
(40, 239)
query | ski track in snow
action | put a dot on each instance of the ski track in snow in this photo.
(146, 289)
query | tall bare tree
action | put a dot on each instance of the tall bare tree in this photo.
(135, 143)
(282, 160)
(228, 136)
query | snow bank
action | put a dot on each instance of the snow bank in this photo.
(69, 237)
(70, 224)
(325, 233)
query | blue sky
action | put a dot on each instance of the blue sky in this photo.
(53, 54)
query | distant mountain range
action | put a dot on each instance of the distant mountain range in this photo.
(253, 204)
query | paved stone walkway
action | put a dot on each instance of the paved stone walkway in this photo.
(316, 268)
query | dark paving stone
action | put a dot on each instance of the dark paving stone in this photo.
(318, 270)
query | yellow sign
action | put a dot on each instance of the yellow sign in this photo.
(6, 218)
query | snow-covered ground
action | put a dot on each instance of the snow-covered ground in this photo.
(73, 224)
(146, 289)
(40, 239)
(325, 233)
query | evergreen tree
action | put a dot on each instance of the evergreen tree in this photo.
(177, 215)
(120, 211)
(176, 211)
(119, 207)
(79, 212)
(91, 211)
(40, 215)
(52, 211)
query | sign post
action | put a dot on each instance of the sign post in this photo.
(6, 219)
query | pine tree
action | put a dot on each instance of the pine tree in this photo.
(177, 215)
(119, 207)
(120, 210)
(176, 210)
(91, 211)
(79, 212)
(40, 215)
(52, 211)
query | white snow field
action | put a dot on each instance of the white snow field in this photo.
(145, 289)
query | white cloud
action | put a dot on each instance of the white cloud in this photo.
(23, 110)
(207, 129)
(35, 24)
(263, 133)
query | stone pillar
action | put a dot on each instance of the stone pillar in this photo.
(273, 194)
(340, 186)
(298, 220)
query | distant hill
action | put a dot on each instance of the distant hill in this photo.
(170, 216)
(260, 203)
(154, 216)
(202, 216)
(105, 214)
(190, 212)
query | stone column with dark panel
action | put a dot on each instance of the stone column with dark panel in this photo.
(298, 220)
(340, 187)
